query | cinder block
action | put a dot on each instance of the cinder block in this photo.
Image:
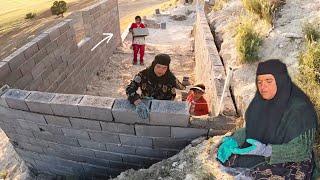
(57, 139)
(99, 108)
(24, 132)
(28, 125)
(27, 66)
(117, 128)
(108, 155)
(92, 170)
(57, 120)
(76, 133)
(24, 81)
(15, 59)
(66, 105)
(169, 143)
(27, 154)
(171, 113)
(82, 151)
(42, 40)
(118, 165)
(144, 161)
(92, 145)
(135, 141)
(53, 32)
(120, 148)
(39, 56)
(125, 112)
(15, 99)
(50, 129)
(31, 49)
(13, 77)
(4, 69)
(39, 102)
(153, 131)
(51, 47)
(29, 116)
(28, 147)
(79, 123)
(149, 152)
(187, 133)
(104, 137)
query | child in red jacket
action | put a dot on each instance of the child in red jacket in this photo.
(138, 43)
(198, 105)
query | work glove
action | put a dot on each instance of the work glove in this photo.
(257, 148)
(226, 148)
(142, 110)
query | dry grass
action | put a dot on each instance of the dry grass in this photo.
(265, 9)
(218, 5)
(311, 32)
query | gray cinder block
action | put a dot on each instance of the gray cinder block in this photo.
(120, 148)
(187, 133)
(57, 120)
(149, 152)
(170, 113)
(15, 99)
(66, 105)
(169, 143)
(153, 131)
(39, 102)
(135, 141)
(124, 111)
(79, 123)
(92, 145)
(4, 69)
(108, 155)
(76, 133)
(104, 137)
(117, 127)
(94, 107)
(15, 59)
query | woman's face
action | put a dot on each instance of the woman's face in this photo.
(267, 86)
(160, 70)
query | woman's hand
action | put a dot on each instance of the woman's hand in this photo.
(257, 148)
(226, 148)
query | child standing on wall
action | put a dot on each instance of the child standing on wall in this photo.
(138, 43)
(198, 105)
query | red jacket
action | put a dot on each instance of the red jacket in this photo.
(135, 25)
(199, 107)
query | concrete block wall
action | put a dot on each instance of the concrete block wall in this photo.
(209, 69)
(89, 135)
(55, 62)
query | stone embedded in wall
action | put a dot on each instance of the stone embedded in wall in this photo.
(124, 111)
(15, 99)
(99, 108)
(171, 113)
(79, 123)
(39, 102)
(66, 105)
(117, 128)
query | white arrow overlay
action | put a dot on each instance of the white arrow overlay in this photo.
(107, 38)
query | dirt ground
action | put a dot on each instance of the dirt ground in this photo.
(175, 40)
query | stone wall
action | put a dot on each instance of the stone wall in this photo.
(209, 69)
(88, 135)
(55, 61)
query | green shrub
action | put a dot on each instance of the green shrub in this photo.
(265, 9)
(248, 42)
(30, 15)
(58, 8)
(311, 32)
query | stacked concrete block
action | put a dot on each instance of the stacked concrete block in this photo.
(15, 99)
(66, 105)
(39, 102)
(123, 111)
(98, 108)
(169, 113)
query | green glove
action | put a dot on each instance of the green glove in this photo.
(226, 148)
(257, 148)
